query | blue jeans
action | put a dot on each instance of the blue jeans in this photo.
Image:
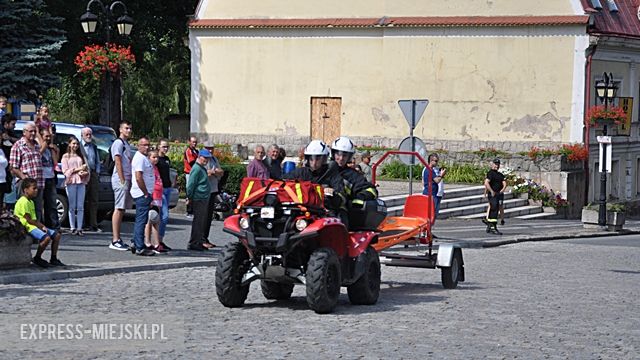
(436, 202)
(164, 212)
(75, 193)
(142, 216)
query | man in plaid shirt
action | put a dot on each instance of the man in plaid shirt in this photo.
(26, 162)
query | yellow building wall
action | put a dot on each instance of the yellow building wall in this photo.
(478, 87)
(227, 9)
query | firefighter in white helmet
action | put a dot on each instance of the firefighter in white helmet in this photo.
(316, 170)
(356, 186)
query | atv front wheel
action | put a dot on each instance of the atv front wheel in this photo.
(276, 291)
(366, 290)
(323, 280)
(232, 265)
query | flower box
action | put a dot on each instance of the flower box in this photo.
(615, 219)
(533, 202)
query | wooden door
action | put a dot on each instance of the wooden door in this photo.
(325, 118)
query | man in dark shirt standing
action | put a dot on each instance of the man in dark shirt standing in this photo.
(90, 152)
(164, 168)
(495, 185)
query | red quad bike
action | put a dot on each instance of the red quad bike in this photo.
(286, 237)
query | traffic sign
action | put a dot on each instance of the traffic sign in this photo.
(419, 147)
(413, 110)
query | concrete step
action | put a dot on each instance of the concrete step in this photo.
(509, 212)
(536, 216)
(478, 209)
(450, 203)
(396, 200)
(467, 192)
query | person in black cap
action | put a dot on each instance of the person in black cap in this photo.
(495, 185)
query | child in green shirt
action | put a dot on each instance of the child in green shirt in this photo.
(25, 210)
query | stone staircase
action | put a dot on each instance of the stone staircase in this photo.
(469, 203)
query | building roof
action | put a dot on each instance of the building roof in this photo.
(425, 21)
(607, 21)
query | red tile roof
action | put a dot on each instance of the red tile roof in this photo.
(430, 21)
(623, 23)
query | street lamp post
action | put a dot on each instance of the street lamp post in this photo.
(110, 106)
(606, 90)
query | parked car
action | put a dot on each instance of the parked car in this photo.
(103, 137)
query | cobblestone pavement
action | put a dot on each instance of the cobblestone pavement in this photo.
(574, 299)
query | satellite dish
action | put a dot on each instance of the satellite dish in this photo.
(419, 147)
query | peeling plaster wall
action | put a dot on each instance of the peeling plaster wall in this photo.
(483, 84)
(224, 9)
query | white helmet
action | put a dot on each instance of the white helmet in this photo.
(343, 143)
(316, 147)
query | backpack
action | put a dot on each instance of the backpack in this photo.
(109, 163)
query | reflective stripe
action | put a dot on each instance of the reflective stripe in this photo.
(290, 192)
(248, 191)
(319, 191)
(373, 192)
(299, 192)
(357, 201)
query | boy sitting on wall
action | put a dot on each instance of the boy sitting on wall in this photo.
(25, 210)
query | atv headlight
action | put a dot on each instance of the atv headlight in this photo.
(301, 224)
(244, 223)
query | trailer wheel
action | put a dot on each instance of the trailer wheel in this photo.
(451, 275)
(232, 265)
(366, 290)
(276, 291)
(323, 280)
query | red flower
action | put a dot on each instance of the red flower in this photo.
(613, 114)
(95, 60)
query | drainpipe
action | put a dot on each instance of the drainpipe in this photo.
(586, 132)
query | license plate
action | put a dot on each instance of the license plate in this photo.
(267, 212)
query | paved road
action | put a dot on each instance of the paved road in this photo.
(563, 299)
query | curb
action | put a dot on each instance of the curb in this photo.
(113, 269)
(526, 238)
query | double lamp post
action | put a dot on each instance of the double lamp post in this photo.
(110, 89)
(606, 91)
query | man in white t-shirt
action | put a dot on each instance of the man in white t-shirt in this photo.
(120, 183)
(141, 191)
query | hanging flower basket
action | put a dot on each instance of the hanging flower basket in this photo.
(95, 60)
(612, 115)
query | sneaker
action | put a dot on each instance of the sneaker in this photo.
(160, 249)
(188, 216)
(165, 246)
(208, 245)
(96, 229)
(145, 252)
(80, 233)
(118, 245)
(56, 262)
(40, 262)
(74, 231)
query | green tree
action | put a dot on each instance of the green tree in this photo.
(30, 40)
(160, 83)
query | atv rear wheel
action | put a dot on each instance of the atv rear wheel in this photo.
(232, 265)
(323, 280)
(276, 291)
(366, 290)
